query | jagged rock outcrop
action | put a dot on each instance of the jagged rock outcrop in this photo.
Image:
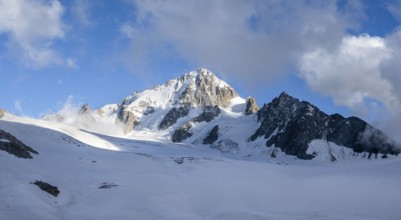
(184, 132)
(52, 190)
(12, 145)
(208, 114)
(213, 136)
(127, 118)
(84, 109)
(172, 116)
(251, 106)
(291, 125)
(2, 113)
(206, 90)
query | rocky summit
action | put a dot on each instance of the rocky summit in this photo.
(292, 125)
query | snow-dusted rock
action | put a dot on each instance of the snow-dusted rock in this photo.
(2, 113)
(12, 145)
(251, 106)
(292, 125)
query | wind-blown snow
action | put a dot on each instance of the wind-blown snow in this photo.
(160, 180)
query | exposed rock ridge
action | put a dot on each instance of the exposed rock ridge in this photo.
(251, 106)
(291, 125)
(13, 146)
(127, 118)
(213, 136)
(184, 132)
(172, 116)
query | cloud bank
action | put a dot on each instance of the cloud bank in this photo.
(246, 39)
(362, 73)
(31, 27)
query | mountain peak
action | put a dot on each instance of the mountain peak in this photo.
(285, 97)
(205, 89)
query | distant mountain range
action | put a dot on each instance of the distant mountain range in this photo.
(199, 108)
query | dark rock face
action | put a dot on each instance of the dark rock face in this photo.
(182, 133)
(208, 114)
(251, 106)
(213, 136)
(52, 190)
(85, 109)
(291, 125)
(172, 116)
(13, 146)
(128, 118)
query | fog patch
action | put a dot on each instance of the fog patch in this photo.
(81, 116)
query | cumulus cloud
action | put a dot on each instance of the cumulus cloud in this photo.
(31, 27)
(362, 73)
(247, 39)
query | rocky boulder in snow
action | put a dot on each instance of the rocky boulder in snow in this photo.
(52, 190)
(291, 125)
(251, 106)
(12, 145)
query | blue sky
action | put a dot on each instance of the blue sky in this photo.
(342, 56)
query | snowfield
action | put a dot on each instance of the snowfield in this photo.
(104, 176)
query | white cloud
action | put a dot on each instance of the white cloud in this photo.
(31, 27)
(247, 39)
(362, 73)
(81, 10)
(18, 105)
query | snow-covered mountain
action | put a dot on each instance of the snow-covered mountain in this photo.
(199, 108)
(192, 148)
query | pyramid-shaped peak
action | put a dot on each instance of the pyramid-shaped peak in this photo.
(204, 88)
(284, 97)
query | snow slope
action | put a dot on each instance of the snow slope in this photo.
(161, 180)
